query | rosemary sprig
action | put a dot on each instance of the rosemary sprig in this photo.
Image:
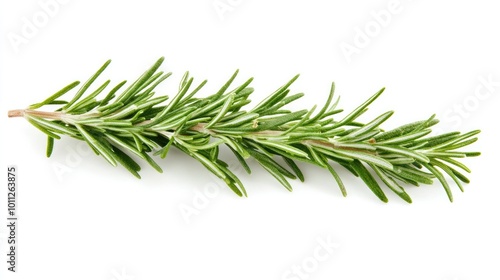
(136, 123)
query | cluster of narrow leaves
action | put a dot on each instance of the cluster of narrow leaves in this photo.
(136, 124)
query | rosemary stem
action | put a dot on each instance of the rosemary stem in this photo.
(41, 114)
(16, 113)
(137, 123)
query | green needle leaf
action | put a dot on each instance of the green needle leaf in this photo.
(225, 86)
(87, 84)
(366, 157)
(441, 179)
(370, 126)
(269, 163)
(278, 95)
(56, 95)
(265, 124)
(450, 173)
(222, 112)
(241, 160)
(337, 178)
(389, 182)
(234, 183)
(53, 126)
(50, 145)
(286, 148)
(323, 110)
(294, 167)
(93, 142)
(164, 151)
(133, 89)
(213, 167)
(127, 162)
(369, 180)
(404, 152)
(358, 111)
(42, 128)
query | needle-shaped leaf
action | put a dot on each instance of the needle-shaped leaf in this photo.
(441, 179)
(241, 160)
(222, 111)
(56, 95)
(127, 162)
(234, 182)
(393, 185)
(403, 130)
(358, 111)
(54, 126)
(50, 146)
(88, 99)
(133, 88)
(213, 167)
(404, 152)
(97, 145)
(294, 167)
(279, 94)
(324, 109)
(268, 123)
(86, 85)
(368, 179)
(450, 173)
(369, 126)
(406, 138)
(337, 178)
(366, 157)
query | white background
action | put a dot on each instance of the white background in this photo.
(80, 218)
